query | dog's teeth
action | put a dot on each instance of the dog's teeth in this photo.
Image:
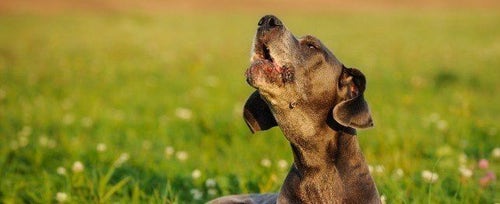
(278, 68)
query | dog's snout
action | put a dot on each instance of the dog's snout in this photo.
(269, 21)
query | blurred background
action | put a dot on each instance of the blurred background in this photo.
(140, 101)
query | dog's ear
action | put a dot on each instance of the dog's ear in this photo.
(257, 114)
(353, 110)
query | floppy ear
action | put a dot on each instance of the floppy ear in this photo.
(353, 110)
(257, 114)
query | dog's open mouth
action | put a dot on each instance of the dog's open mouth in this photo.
(265, 67)
(263, 53)
(266, 53)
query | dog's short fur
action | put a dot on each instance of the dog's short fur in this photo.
(317, 102)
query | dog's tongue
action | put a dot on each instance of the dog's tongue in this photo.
(267, 66)
(278, 68)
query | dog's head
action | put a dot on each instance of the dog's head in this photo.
(291, 73)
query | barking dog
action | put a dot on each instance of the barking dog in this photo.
(317, 103)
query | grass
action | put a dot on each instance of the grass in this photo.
(136, 85)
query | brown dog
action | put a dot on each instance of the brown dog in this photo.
(317, 103)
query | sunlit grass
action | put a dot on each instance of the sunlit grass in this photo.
(147, 108)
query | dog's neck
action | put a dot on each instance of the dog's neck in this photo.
(316, 141)
(328, 163)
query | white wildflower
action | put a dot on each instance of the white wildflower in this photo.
(101, 147)
(212, 191)
(43, 140)
(25, 132)
(399, 173)
(78, 167)
(122, 159)
(383, 199)
(429, 176)
(370, 168)
(183, 113)
(46, 141)
(210, 183)
(265, 162)
(434, 118)
(282, 164)
(196, 174)
(61, 197)
(379, 169)
(197, 194)
(442, 125)
(23, 138)
(169, 151)
(465, 172)
(444, 150)
(496, 153)
(182, 155)
(23, 141)
(61, 170)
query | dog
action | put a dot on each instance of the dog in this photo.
(318, 104)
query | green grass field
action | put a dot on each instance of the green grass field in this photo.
(137, 108)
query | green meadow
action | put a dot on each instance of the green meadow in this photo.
(147, 108)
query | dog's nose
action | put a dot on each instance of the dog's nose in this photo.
(269, 21)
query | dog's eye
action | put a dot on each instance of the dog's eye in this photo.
(312, 46)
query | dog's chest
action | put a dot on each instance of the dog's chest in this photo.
(322, 187)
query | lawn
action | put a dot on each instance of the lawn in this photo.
(146, 108)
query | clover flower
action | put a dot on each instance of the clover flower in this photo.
(78, 167)
(429, 176)
(61, 197)
(196, 174)
(265, 162)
